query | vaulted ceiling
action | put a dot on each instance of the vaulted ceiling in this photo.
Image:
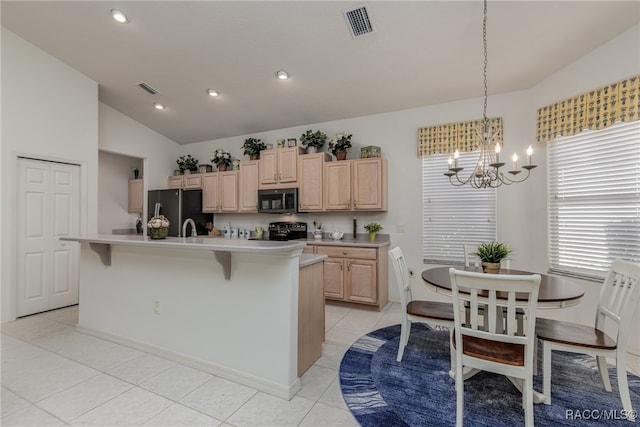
(420, 53)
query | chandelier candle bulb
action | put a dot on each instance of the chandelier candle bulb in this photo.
(529, 154)
(515, 161)
(455, 157)
(498, 153)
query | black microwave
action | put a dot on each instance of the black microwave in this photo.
(278, 201)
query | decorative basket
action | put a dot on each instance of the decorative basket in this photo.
(158, 233)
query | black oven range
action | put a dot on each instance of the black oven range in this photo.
(287, 230)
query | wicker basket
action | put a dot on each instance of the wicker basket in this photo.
(158, 233)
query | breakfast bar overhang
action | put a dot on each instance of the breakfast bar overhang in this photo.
(229, 307)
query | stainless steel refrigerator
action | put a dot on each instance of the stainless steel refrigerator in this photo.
(177, 206)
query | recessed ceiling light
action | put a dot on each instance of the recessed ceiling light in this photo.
(213, 92)
(282, 75)
(158, 106)
(119, 16)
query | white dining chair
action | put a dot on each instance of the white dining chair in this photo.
(617, 303)
(472, 260)
(488, 346)
(433, 313)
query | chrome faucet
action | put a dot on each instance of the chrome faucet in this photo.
(194, 233)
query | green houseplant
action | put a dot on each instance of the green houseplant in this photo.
(311, 141)
(187, 163)
(339, 145)
(222, 159)
(491, 254)
(373, 228)
(252, 147)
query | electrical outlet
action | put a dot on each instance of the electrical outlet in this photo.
(156, 307)
(411, 272)
(400, 228)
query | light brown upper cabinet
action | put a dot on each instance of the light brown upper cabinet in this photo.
(310, 182)
(279, 167)
(187, 182)
(220, 191)
(136, 195)
(356, 185)
(248, 193)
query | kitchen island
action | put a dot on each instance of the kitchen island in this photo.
(225, 306)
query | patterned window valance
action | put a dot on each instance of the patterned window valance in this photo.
(593, 110)
(450, 137)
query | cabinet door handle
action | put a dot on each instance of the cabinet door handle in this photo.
(340, 266)
(349, 266)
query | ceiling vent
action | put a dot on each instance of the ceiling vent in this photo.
(148, 88)
(358, 20)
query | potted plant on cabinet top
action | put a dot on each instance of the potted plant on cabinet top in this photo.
(222, 159)
(187, 163)
(252, 147)
(339, 145)
(311, 141)
(373, 228)
(491, 254)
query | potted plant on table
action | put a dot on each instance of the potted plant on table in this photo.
(339, 145)
(491, 254)
(252, 147)
(311, 141)
(373, 228)
(187, 163)
(222, 159)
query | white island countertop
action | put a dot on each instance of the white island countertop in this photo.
(197, 243)
(221, 247)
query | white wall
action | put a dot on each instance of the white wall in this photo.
(122, 135)
(49, 111)
(114, 172)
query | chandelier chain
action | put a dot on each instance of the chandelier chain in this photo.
(485, 121)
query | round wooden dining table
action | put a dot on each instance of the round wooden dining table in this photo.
(555, 292)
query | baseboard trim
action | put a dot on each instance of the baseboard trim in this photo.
(261, 384)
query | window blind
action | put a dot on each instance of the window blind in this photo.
(453, 216)
(594, 200)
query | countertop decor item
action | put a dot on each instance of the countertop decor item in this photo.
(337, 235)
(187, 162)
(158, 227)
(339, 145)
(491, 254)
(252, 147)
(311, 141)
(373, 228)
(222, 159)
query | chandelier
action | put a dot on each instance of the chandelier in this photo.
(486, 173)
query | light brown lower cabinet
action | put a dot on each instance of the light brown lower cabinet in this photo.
(356, 274)
(310, 316)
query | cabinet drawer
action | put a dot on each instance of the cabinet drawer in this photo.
(347, 252)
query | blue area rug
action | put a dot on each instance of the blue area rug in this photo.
(419, 392)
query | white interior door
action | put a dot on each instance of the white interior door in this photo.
(48, 208)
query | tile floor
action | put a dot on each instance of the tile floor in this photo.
(53, 375)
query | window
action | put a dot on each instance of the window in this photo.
(594, 200)
(453, 216)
